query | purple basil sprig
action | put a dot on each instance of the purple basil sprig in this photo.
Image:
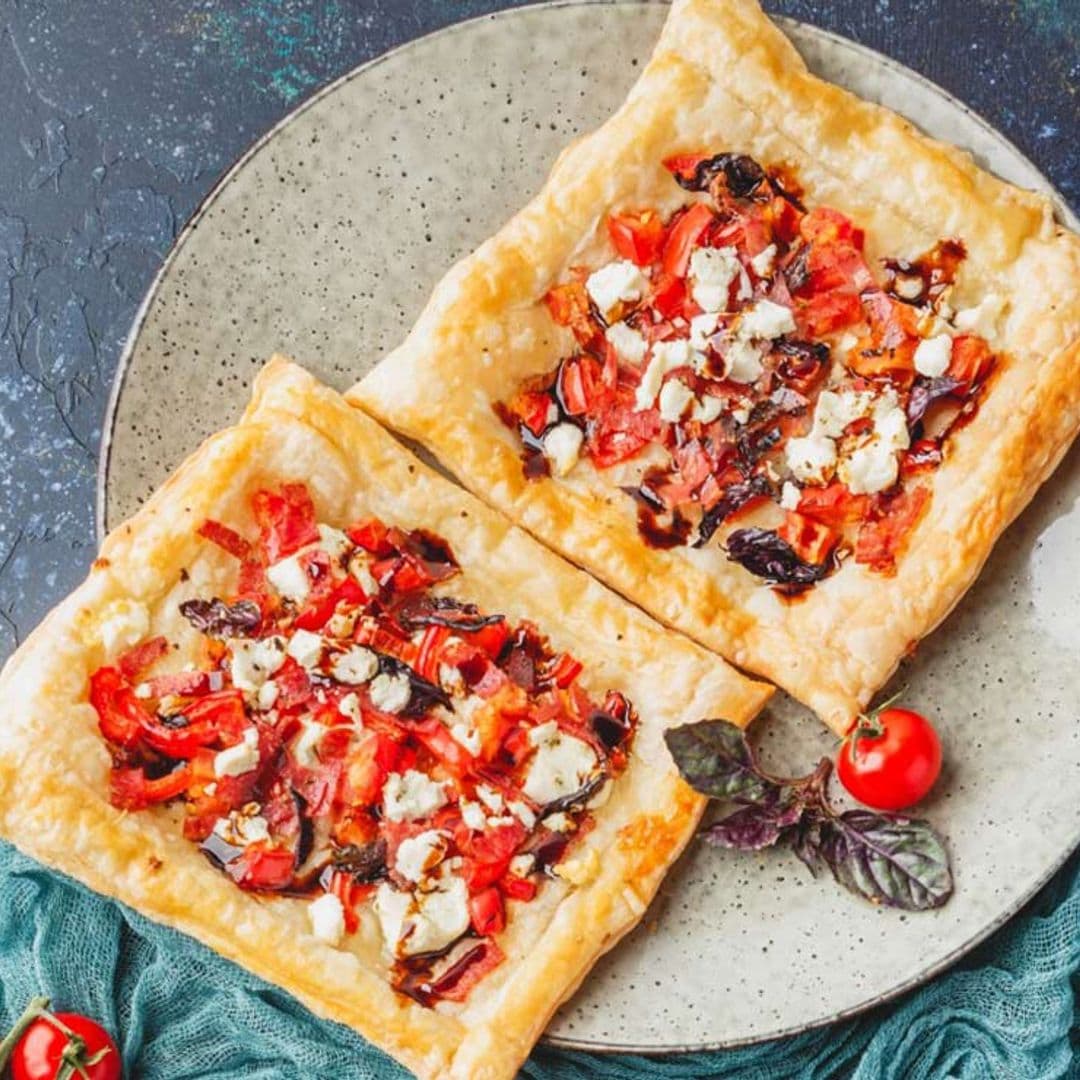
(885, 858)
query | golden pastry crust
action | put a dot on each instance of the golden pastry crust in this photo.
(724, 78)
(54, 765)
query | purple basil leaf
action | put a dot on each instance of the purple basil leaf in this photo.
(886, 859)
(714, 758)
(925, 392)
(217, 619)
(735, 496)
(752, 828)
(766, 554)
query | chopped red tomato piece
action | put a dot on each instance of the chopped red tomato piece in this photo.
(812, 541)
(286, 520)
(563, 670)
(131, 789)
(263, 868)
(833, 505)
(369, 766)
(826, 313)
(486, 911)
(533, 408)
(371, 535)
(488, 855)
(823, 225)
(619, 433)
(580, 383)
(427, 657)
(322, 603)
(669, 295)
(516, 888)
(880, 541)
(138, 658)
(490, 638)
(479, 961)
(971, 359)
(120, 713)
(783, 218)
(227, 539)
(637, 236)
(683, 237)
(437, 738)
(569, 306)
(684, 166)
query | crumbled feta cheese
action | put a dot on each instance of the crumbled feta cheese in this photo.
(306, 648)
(239, 759)
(327, 919)
(702, 327)
(472, 813)
(908, 286)
(390, 693)
(522, 812)
(142, 691)
(418, 854)
(356, 665)
(836, 409)
(740, 414)
(251, 663)
(334, 542)
(466, 736)
(766, 320)
(870, 468)
(290, 579)
(359, 569)
(846, 342)
(890, 422)
(411, 795)
(305, 749)
(789, 496)
(562, 447)
(675, 396)
(241, 827)
(619, 280)
(811, 458)
(666, 356)
(562, 764)
(932, 355)
(349, 707)
(580, 870)
(559, 822)
(712, 271)
(707, 409)
(342, 624)
(628, 342)
(742, 361)
(762, 262)
(392, 908)
(983, 318)
(522, 865)
(267, 695)
(450, 678)
(122, 624)
(489, 797)
(425, 921)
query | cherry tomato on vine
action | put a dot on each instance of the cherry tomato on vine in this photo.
(889, 759)
(59, 1046)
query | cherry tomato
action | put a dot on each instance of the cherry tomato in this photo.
(64, 1044)
(890, 759)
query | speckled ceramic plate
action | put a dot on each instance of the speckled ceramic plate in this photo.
(324, 241)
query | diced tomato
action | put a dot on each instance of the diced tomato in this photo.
(286, 520)
(223, 712)
(435, 736)
(263, 868)
(402, 573)
(368, 767)
(490, 638)
(581, 385)
(427, 659)
(371, 535)
(131, 789)
(923, 455)
(683, 237)
(620, 433)
(488, 855)
(184, 683)
(533, 408)
(669, 295)
(351, 893)
(892, 324)
(294, 686)
(637, 236)
(138, 658)
(569, 306)
(227, 539)
(322, 603)
(486, 911)
(881, 541)
(971, 359)
(563, 670)
(833, 505)
(120, 713)
(826, 313)
(484, 958)
(811, 540)
(319, 787)
(516, 888)
(516, 745)
(784, 219)
(825, 225)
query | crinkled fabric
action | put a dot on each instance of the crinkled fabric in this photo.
(179, 1011)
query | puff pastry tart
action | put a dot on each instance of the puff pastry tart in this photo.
(335, 718)
(761, 356)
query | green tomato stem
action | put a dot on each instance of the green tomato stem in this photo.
(37, 1008)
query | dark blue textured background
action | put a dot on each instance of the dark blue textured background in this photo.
(117, 116)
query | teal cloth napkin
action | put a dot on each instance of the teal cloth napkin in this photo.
(1008, 1012)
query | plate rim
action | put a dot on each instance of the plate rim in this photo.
(1063, 213)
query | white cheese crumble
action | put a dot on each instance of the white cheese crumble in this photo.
(450, 678)
(327, 919)
(666, 356)
(390, 693)
(305, 749)
(466, 736)
(707, 409)
(762, 262)
(712, 271)
(334, 542)
(836, 409)
(766, 320)
(306, 648)
(522, 865)
(983, 318)
(361, 573)
(811, 458)
(239, 759)
(562, 447)
(628, 343)
(251, 663)
(562, 764)
(559, 822)
(869, 468)
(472, 813)
(418, 854)
(267, 696)
(290, 579)
(349, 706)
(411, 795)
(675, 396)
(522, 812)
(489, 797)
(356, 665)
(242, 827)
(702, 327)
(789, 496)
(122, 624)
(932, 355)
(620, 280)
(742, 361)
(342, 624)
(425, 921)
